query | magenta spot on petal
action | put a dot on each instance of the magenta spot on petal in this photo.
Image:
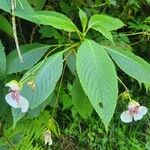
(133, 111)
(16, 96)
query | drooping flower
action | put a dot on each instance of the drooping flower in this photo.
(14, 98)
(135, 112)
(47, 137)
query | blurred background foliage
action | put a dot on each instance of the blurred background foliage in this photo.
(74, 131)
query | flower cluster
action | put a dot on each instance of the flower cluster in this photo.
(135, 112)
(14, 98)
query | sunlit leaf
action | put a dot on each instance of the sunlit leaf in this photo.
(45, 77)
(55, 19)
(83, 19)
(98, 78)
(131, 64)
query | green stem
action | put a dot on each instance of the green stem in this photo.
(123, 84)
(79, 34)
(13, 6)
(137, 33)
(28, 77)
(125, 88)
(49, 147)
(86, 31)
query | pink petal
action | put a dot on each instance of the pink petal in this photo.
(133, 104)
(126, 117)
(11, 101)
(24, 104)
(142, 110)
(14, 86)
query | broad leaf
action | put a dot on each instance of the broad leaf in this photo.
(83, 19)
(5, 26)
(23, 8)
(131, 64)
(37, 111)
(71, 61)
(80, 100)
(104, 24)
(107, 34)
(17, 115)
(98, 77)
(46, 75)
(107, 22)
(55, 19)
(31, 53)
(2, 61)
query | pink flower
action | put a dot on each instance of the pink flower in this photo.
(47, 138)
(134, 112)
(14, 99)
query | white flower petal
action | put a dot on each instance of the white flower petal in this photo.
(50, 142)
(24, 104)
(11, 101)
(138, 116)
(142, 110)
(126, 117)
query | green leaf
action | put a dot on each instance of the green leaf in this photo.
(71, 61)
(104, 24)
(23, 8)
(31, 53)
(5, 26)
(55, 19)
(2, 61)
(80, 100)
(98, 78)
(83, 19)
(109, 23)
(46, 77)
(65, 98)
(37, 111)
(131, 64)
(107, 34)
(17, 115)
(52, 18)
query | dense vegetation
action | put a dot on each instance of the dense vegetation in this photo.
(75, 73)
